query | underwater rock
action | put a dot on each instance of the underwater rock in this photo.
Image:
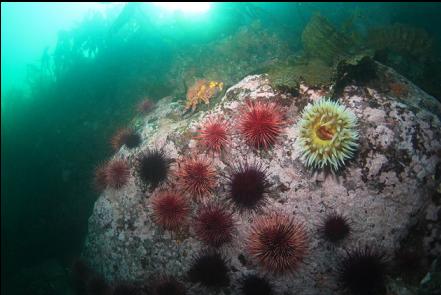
(382, 191)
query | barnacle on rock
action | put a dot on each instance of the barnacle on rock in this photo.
(202, 91)
(327, 134)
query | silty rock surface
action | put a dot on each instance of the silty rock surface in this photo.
(384, 190)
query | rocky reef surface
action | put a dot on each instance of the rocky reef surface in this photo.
(384, 191)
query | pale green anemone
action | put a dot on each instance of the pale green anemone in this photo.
(327, 134)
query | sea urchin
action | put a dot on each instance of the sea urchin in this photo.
(248, 186)
(117, 173)
(261, 124)
(153, 167)
(277, 242)
(363, 270)
(213, 135)
(335, 227)
(196, 176)
(214, 225)
(210, 270)
(170, 209)
(327, 134)
(127, 137)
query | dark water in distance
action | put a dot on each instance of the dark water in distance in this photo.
(71, 77)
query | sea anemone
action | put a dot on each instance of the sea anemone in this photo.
(152, 167)
(100, 179)
(255, 285)
(167, 285)
(363, 271)
(170, 209)
(335, 227)
(277, 242)
(327, 134)
(214, 225)
(117, 173)
(248, 186)
(261, 124)
(127, 137)
(214, 135)
(210, 270)
(145, 106)
(196, 176)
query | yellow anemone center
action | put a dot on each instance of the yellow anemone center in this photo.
(323, 131)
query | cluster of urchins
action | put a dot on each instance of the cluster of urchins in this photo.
(277, 242)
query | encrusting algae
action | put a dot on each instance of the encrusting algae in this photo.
(202, 91)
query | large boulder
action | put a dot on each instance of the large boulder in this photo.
(384, 190)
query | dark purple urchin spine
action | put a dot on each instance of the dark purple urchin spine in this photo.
(335, 227)
(153, 167)
(248, 186)
(363, 271)
(210, 270)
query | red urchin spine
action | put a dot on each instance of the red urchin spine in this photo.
(278, 243)
(261, 124)
(196, 176)
(214, 225)
(214, 135)
(117, 173)
(170, 210)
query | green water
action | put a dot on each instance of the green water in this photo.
(72, 74)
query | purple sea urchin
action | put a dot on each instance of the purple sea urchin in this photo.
(363, 271)
(210, 270)
(248, 186)
(153, 167)
(327, 134)
(335, 227)
(277, 242)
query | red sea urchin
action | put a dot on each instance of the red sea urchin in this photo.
(213, 135)
(214, 225)
(261, 123)
(363, 271)
(117, 173)
(196, 176)
(170, 209)
(278, 243)
(248, 186)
